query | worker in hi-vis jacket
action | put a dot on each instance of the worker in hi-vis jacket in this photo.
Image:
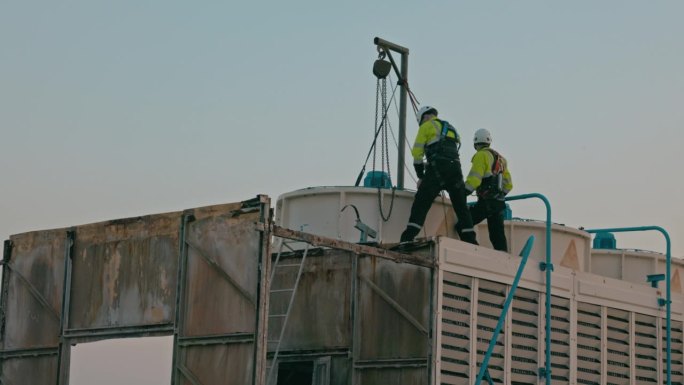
(439, 142)
(490, 179)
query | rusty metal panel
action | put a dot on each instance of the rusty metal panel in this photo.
(29, 370)
(33, 301)
(222, 275)
(324, 288)
(124, 272)
(393, 319)
(218, 365)
(404, 376)
(224, 294)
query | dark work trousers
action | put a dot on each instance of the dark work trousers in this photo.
(443, 175)
(493, 211)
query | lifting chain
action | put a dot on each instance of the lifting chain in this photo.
(381, 105)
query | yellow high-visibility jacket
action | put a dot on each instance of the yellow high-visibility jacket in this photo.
(482, 168)
(428, 133)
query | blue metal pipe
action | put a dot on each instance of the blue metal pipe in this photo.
(668, 295)
(507, 304)
(548, 267)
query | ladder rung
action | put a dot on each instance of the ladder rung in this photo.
(281, 290)
(277, 315)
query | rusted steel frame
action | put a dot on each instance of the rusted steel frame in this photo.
(297, 354)
(395, 305)
(66, 287)
(189, 375)
(213, 264)
(317, 240)
(33, 352)
(227, 339)
(34, 292)
(180, 298)
(6, 256)
(119, 331)
(391, 363)
(263, 288)
(64, 355)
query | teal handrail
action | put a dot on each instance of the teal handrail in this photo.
(668, 295)
(507, 304)
(548, 267)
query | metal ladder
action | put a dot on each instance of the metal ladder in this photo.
(293, 291)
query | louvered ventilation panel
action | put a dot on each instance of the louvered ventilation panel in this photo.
(525, 337)
(617, 344)
(588, 344)
(490, 299)
(676, 350)
(456, 300)
(645, 349)
(560, 340)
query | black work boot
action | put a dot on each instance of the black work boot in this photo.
(409, 234)
(469, 237)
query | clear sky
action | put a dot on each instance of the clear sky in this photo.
(117, 109)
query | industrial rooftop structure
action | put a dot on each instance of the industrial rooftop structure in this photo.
(250, 298)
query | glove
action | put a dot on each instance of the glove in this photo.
(420, 170)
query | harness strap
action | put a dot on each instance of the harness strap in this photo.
(497, 165)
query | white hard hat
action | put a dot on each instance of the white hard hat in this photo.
(423, 110)
(482, 136)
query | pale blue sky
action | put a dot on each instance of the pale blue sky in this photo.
(117, 109)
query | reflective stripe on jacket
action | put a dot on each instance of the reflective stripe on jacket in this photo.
(428, 133)
(482, 168)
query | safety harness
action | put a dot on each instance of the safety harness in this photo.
(445, 148)
(492, 186)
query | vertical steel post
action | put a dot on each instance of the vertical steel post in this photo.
(180, 298)
(403, 76)
(548, 267)
(6, 256)
(64, 354)
(668, 295)
(263, 289)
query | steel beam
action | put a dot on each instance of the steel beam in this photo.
(317, 240)
(392, 363)
(27, 353)
(64, 356)
(226, 339)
